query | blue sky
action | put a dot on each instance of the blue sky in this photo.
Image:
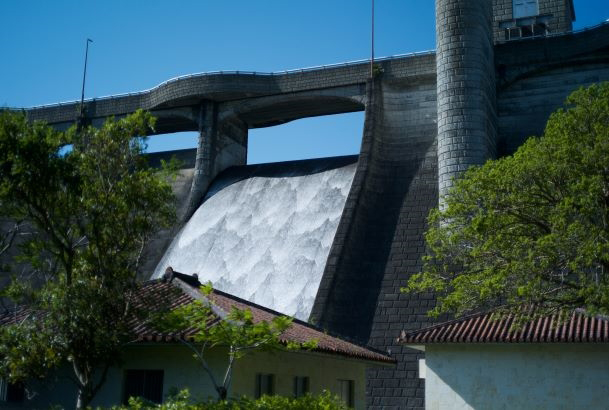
(139, 44)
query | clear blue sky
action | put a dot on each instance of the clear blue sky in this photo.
(139, 44)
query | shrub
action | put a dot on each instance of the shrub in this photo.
(181, 401)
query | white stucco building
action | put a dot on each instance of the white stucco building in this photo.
(478, 362)
(157, 364)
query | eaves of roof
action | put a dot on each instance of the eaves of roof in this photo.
(493, 327)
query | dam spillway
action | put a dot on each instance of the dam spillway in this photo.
(263, 232)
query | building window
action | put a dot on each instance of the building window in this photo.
(346, 392)
(11, 392)
(524, 8)
(301, 386)
(535, 29)
(147, 384)
(265, 384)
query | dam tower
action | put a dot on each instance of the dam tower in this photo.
(465, 87)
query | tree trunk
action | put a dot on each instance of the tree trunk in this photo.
(222, 392)
(85, 388)
(84, 397)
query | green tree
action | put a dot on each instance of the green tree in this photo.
(92, 208)
(532, 228)
(236, 330)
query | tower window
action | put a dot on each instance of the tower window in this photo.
(524, 8)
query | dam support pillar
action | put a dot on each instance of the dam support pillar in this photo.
(222, 144)
(465, 87)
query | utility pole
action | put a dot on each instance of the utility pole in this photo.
(84, 75)
(372, 45)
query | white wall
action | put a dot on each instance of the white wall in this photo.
(182, 371)
(323, 371)
(517, 376)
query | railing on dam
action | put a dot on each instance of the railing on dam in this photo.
(238, 72)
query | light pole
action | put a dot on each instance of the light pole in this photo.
(372, 45)
(84, 75)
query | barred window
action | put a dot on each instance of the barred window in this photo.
(265, 384)
(147, 384)
(346, 392)
(301, 386)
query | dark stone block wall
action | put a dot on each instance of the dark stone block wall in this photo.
(525, 106)
(379, 241)
(534, 76)
(561, 20)
(465, 87)
(408, 151)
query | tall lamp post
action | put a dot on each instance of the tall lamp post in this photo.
(372, 45)
(84, 75)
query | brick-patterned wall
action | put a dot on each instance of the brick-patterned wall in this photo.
(535, 76)
(562, 16)
(465, 87)
(407, 162)
(525, 106)
(379, 241)
(561, 21)
(502, 11)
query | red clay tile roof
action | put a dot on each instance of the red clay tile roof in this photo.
(490, 328)
(185, 292)
(13, 316)
(183, 289)
(300, 331)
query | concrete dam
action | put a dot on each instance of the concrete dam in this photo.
(334, 240)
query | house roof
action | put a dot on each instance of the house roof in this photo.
(492, 327)
(177, 289)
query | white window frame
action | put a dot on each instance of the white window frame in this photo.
(525, 8)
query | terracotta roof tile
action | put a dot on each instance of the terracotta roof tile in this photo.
(183, 289)
(489, 327)
(299, 332)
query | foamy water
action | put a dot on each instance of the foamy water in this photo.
(265, 238)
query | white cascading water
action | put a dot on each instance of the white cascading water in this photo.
(265, 238)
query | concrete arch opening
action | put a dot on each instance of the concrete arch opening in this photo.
(314, 137)
(172, 141)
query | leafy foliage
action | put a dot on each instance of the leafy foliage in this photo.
(91, 210)
(235, 330)
(532, 228)
(324, 401)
